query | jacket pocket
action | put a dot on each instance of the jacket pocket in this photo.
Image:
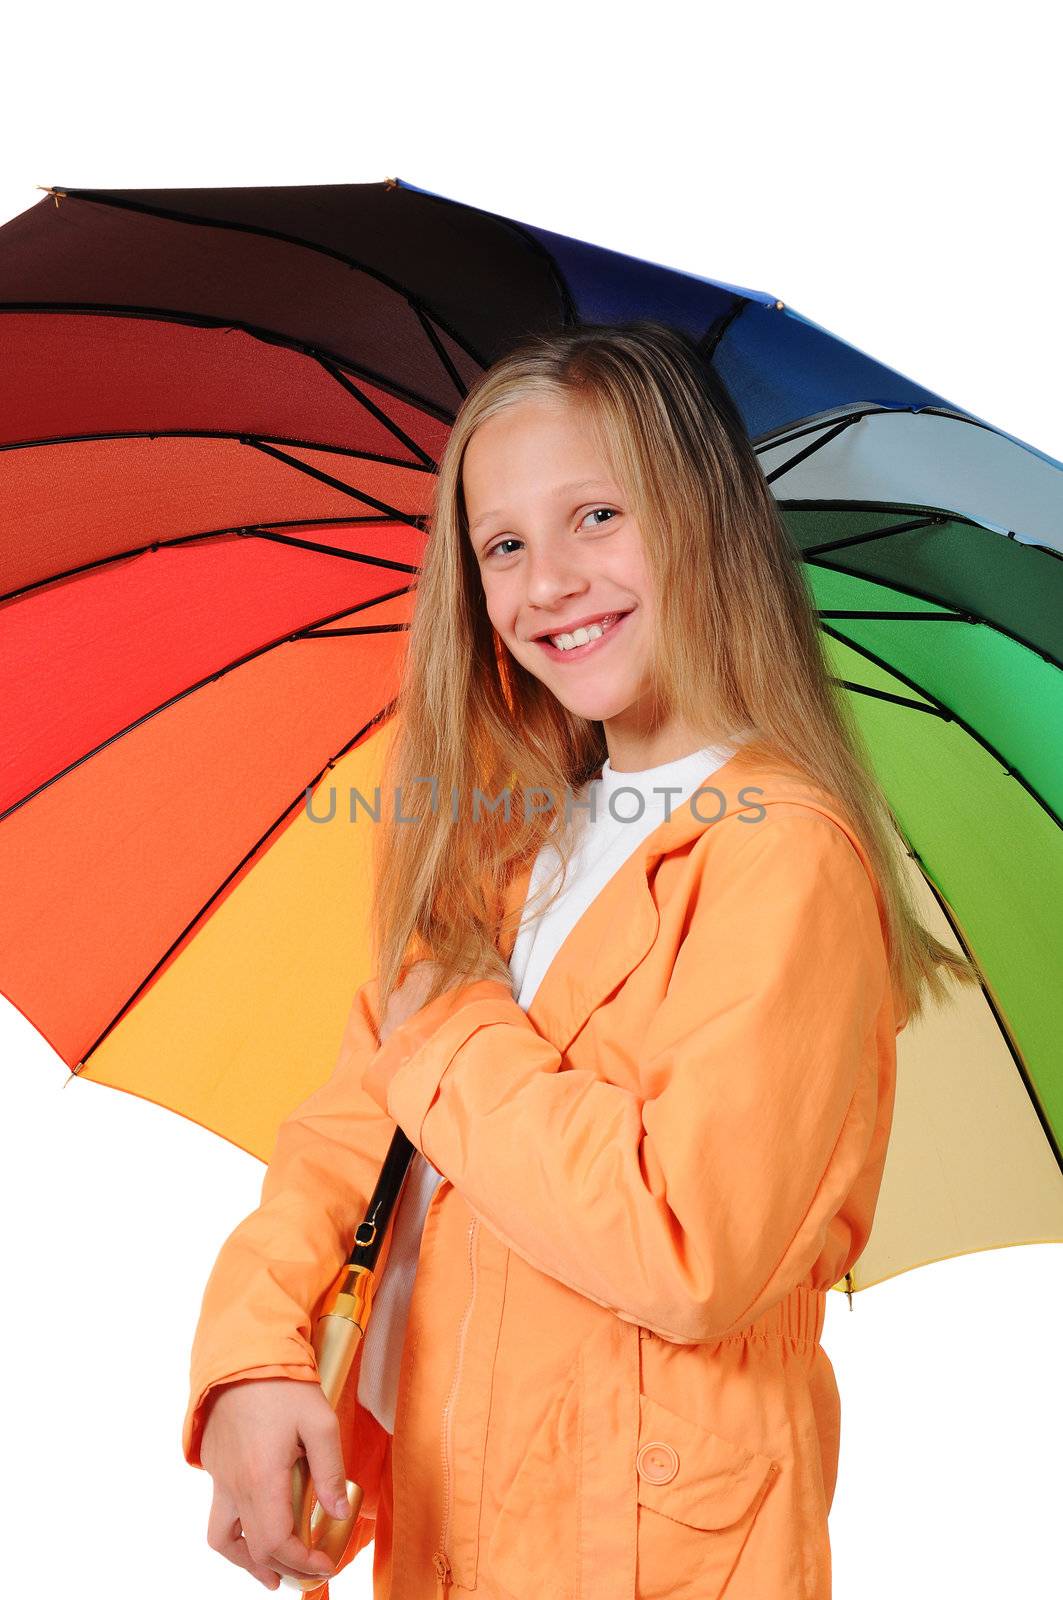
(533, 1547)
(699, 1494)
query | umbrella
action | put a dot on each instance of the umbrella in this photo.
(219, 430)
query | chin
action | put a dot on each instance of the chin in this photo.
(596, 708)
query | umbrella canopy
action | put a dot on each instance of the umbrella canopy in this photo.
(218, 434)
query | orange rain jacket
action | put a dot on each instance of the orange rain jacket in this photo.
(612, 1385)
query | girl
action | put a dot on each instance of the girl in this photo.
(640, 1024)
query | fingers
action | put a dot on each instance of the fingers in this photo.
(324, 1458)
(269, 1528)
(224, 1535)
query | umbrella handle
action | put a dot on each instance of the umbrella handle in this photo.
(339, 1332)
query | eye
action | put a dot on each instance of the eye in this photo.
(496, 547)
(594, 511)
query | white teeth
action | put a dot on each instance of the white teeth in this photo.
(569, 641)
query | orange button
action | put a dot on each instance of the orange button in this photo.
(657, 1462)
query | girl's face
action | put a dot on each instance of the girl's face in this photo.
(558, 548)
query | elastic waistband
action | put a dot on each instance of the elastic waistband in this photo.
(800, 1317)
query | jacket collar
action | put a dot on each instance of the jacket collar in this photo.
(615, 931)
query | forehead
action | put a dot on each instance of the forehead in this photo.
(558, 421)
(532, 451)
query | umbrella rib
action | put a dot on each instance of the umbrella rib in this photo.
(565, 311)
(437, 344)
(954, 614)
(943, 517)
(939, 708)
(335, 483)
(788, 432)
(374, 410)
(307, 632)
(264, 531)
(904, 616)
(228, 225)
(892, 699)
(1005, 1032)
(937, 515)
(254, 530)
(714, 333)
(419, 306)
(818, 444)
(300, 799)
(235, 435)
(932, 520)
(253, 330)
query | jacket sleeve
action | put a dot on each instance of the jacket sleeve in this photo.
(695, 1205)
(269, 1280)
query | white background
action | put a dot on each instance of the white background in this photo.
(889, 171)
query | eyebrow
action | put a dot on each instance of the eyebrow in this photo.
(564, 488)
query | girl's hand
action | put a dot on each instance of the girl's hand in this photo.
(408, 998)
(255, 1431)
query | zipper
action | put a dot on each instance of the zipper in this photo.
(442, 1566)
(441, 1561)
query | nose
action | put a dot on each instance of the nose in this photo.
(553, 579)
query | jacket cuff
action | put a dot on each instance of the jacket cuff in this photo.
(405, 1072)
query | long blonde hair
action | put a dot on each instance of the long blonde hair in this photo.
(738, 646)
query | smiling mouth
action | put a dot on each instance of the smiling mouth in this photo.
(579, 651)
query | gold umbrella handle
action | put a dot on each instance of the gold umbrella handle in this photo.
(338, 1333)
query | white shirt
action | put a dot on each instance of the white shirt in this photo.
(627, 807)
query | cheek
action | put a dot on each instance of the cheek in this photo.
(495, 617)
(635, 568)
(501, 606)
(622, 567)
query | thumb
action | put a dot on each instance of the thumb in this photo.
(324, 1457)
